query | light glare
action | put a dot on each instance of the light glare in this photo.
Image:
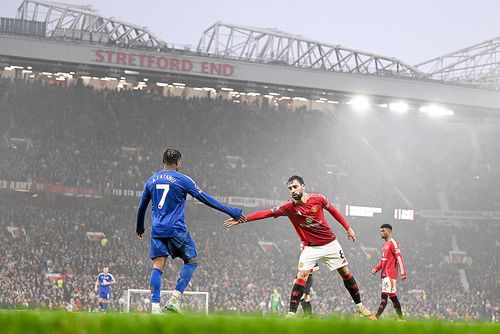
(436, 111)
(399, 107)
(360, 103)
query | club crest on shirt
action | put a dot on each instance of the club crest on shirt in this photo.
(314, 208)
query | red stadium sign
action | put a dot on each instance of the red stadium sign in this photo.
(161, 62)
(34, 187)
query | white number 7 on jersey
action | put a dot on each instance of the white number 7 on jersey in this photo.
(164, 195)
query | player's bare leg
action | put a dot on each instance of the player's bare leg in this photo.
(155, 283)
(297, 291)
(351, 286)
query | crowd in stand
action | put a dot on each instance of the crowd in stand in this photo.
(234, 269)
(77, 136)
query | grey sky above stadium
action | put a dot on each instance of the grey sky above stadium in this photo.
(413, 31)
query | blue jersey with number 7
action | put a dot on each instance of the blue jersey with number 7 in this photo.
(167, 190)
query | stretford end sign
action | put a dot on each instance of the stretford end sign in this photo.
(163, 62)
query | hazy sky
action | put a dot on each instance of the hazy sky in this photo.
(412, 31)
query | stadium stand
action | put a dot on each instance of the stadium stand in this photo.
(98, 139)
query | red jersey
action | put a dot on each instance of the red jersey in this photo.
(392, 259)
(307, 219)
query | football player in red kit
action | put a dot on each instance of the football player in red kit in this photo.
(391, 261)
(305, 211)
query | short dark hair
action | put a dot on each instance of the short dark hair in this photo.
(386, 226)
(171, 157)
(295, 177)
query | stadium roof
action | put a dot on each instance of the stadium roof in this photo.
(477, 65)
(278, 47)
(221, 39)
(67, 20)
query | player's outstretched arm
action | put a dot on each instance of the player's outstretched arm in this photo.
(231, 222)
(208, 200)
(251, 217)
(192, 189)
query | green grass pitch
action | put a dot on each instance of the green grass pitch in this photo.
(13, 322)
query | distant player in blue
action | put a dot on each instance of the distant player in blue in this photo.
(167, 189)
(103, 288)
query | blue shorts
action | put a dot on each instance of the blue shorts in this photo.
(173, 247)
(103, 294)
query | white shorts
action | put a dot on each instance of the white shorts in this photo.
(331, 254)
(388, 285)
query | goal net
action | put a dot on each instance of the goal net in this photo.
(139, 300)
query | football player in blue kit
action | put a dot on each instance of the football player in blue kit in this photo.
(103, 288)
(167, 190)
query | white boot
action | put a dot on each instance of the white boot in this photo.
(155, 308)
(364, 311)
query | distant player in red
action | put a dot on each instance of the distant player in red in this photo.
(305, 212)
(392, 259)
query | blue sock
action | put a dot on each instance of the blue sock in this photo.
(155, 285)
(105, 306)
(185, 276)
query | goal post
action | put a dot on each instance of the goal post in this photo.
(192, 301)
